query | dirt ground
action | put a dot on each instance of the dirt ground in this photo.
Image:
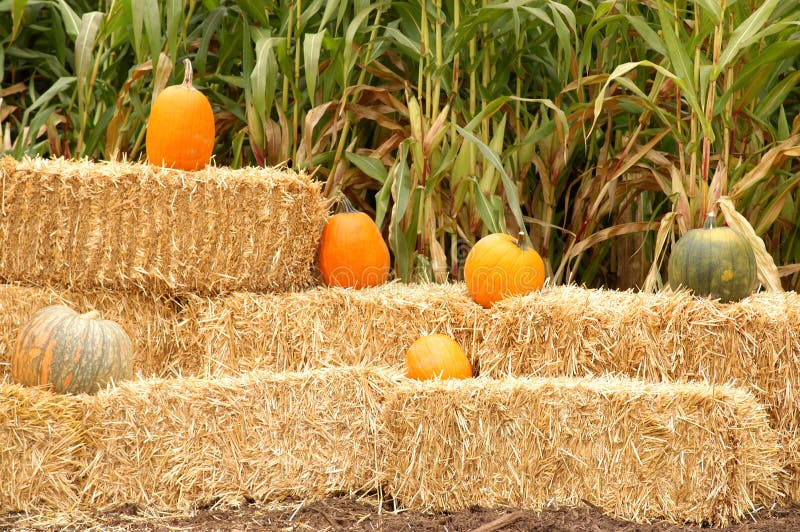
(346, 514)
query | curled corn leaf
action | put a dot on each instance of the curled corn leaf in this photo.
(767, 270)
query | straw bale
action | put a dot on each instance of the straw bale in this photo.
(177, 444)
(681, 452)
(571, 331)
(149, 320)
(322, 327)
(41, 448)
(81, 224)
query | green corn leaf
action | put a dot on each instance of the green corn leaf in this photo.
(382, 200)
(773, 209)
(71, 20)
(371, 166)
(356, 25)
(174, 10)
(754, 74)
(58, 86)
(309, 12)
(712, 8)
(783, 124)
(401, 187)
(137, 29)
(509, 185)
(331, 7)
(745, 34)
(487, 210)
(402, 41)
(26, 144)
(566, 12)
(677, 54)
(312, 48)
(152, 27)
(403, 241)
(255, 10)
(648, 34)
(623, 69)
(264, 77)
(487, 111)
(210, 27)
(562, 30)
(777, 96)
(17, 12)
(84, 49)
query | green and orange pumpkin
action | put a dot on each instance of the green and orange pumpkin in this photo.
(69, 352)
(714, 262)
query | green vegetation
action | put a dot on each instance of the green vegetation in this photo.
(602, 129)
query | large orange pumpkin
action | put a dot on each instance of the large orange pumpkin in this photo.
(352, 252)
(180, 129)
(497, 266)
(70, 352)
(437, 356)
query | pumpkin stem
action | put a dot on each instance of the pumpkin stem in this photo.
(711, 221)
(187, 73)
(345, 205)
(91, 315)
(523, 242)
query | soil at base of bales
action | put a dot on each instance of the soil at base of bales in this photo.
(347, 514)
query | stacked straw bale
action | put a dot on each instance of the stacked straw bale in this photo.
(176, 444)
(571, 331)
(150, 321)
(42, 453)
(322, 327)
(80, 224)
(680, 452)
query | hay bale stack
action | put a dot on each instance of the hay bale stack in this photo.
(680, 452)
(176, 444)
(150, 321)
(573, 331)
(79, 224)
(322, 327)
(42, 456)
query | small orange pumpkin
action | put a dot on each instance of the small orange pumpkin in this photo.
(352, 252)
(180, 129)
(497, 266)
(70, 352)
(437, 356)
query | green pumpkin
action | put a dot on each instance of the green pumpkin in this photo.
(69, 352)
(713, 262)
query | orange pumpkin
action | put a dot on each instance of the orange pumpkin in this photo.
(352, 252)
(497, 266)
(180, 129)
(437, 356)
(69, 352)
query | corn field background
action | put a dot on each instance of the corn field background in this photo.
(601, 130)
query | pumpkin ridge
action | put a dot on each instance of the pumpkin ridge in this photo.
(68, 340)
(80, 347)
(30, 334)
